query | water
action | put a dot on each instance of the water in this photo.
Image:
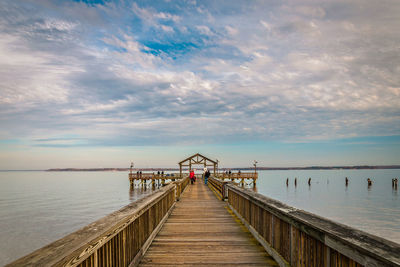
(374, 209)
(37, 208)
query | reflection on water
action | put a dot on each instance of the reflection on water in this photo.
(136, 193)
(139, 190)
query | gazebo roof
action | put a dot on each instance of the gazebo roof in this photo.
(198, 155)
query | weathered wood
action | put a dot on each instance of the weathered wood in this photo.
(305, 239)
(200, 231)
(153, 178)
(114, 240)
(180, 186)
(197, 159)
(237, 175)
(239, 178)
(218, 186)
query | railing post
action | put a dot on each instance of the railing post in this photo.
(224, 191)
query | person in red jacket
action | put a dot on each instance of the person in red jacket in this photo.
(192, 177)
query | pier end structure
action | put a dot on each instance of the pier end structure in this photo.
(198, 159)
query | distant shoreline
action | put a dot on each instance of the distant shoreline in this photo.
(378, 167)
(244, 169)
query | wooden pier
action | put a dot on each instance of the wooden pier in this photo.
(188, 225)
(145, 179)
(298, 238)
(240, 178)
(202, 230)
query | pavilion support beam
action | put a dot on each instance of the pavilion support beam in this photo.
(197, 159)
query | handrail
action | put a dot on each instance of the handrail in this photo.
(180, 186)
(241, 175)
(218, 186)
(150, 176)
(300, 238)
(119, 239)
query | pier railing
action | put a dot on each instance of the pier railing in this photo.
(150, 176)
(218, 186)
(153, 178)
(298, 238)
(119, 239)
(180, 186)
(237, 175)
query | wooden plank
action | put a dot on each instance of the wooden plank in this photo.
(201, 231)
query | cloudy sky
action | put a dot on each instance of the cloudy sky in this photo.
(289, 83)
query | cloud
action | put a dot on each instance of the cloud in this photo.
(204, 30)
(155, 19)
(127, 74)
(168, 16)
(231, 30)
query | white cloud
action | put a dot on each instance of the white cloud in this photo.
(231, 30)
(154, 18)
(56, 24)
(168, 16)
(167, 28)
(266, 25)
(133, 54)
(203, 29)
(28, 76)
(326, 72)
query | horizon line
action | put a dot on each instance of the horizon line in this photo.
(392, 166)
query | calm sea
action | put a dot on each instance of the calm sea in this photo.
(37, 208)
(374, 209)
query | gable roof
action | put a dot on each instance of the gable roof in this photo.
(197, 155)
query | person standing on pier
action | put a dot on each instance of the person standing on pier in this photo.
(206, 176)
(192, 177)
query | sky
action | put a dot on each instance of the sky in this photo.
(286, 83)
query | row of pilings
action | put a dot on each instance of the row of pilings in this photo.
(346, 181)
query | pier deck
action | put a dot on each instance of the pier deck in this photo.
(203, 231)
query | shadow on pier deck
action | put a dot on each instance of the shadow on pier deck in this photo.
(202, 230)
